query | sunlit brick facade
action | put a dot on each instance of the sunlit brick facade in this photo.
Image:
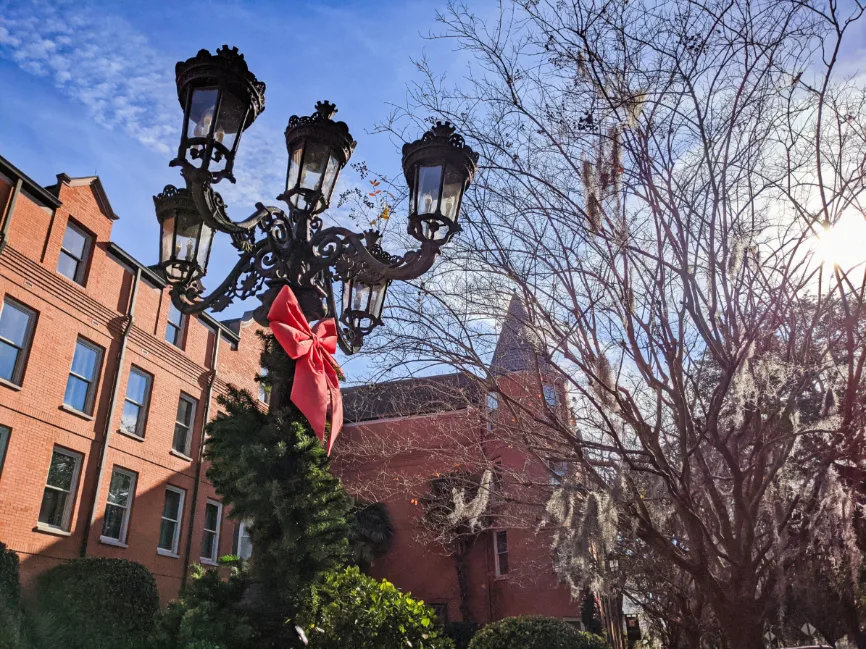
(104, 392)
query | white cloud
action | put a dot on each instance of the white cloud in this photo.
(98, 60)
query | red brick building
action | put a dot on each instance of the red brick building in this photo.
(104, 392)
(405, 434)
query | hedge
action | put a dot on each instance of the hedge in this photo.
(531, 632)
(96, 603)
(10, 590)
(350, 609)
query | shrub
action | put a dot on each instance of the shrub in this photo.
(98, 603)
(206, 615)
(10, 590)
(461, 633)
(349, 609)
(530, 632)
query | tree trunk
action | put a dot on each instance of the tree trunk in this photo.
(741, 626)
(462, 567)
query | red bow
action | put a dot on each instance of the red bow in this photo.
(315, 388)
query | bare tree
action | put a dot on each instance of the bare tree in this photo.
(655, 184)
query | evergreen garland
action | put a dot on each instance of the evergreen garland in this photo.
(273, 471)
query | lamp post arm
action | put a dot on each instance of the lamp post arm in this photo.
(354, 257)
(242, 282)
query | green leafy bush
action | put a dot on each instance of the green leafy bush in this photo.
(349, 609)
(531, 632)
(96, 603)
(206, 615)
(10, 590)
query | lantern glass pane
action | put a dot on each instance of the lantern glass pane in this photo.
(294, 166)
(206, 239)
(347, 294)
(429, 179)
(377, 299)
(451, 192)
(189, 227)
(230, 121)
(201, 112)
(167, 244)
(360, 296)
(330, 178)
(314, 165)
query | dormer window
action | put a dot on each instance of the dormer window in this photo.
(74, 252)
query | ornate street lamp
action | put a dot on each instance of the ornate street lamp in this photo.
(221, 98)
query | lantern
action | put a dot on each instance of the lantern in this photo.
(185, 239)
(362, 306)
(318, 148)
(220, 98)
(438, 169)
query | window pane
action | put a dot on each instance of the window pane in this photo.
(184, 410)
(67, 266)
(428, 189)
(180, 438)
(85, 360)
(118, 490)
(129, 418)
(210, 516)
(501, 542)
(74, 242)
(166, 535)
(62, 471)
(13, 324)
(8, 358)
(53, 506)
(4, 442)
(172, 504)
(174, 315)
(136, 390)
(112, 527)
(171, 333)
(76, 393)
(207, 545)
(503, 564)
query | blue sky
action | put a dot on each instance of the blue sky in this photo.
(87, 87)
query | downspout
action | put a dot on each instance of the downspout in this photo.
(109, 417)
(7, 215)
(200, 456)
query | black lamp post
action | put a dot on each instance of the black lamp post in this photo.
(221, 98)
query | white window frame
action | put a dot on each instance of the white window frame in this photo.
(492, 407)
(141, 422)
(558, 472)
(243, 527)
(179, 328)
(175, 542)
(497, 553)
(24, 350)
(124, 526)
(5, 434)
(71, 494)
(264, 391)
(193, 403)
(549, 388)
(81, 267)
(92, 383)
(212, 560)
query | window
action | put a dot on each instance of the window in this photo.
(264, 390)
(500, 549)
(121, 491)
(245, 544)
(169, 528)
(441, 611)
(210, 541)
(59, 494)
(81, 385)
(492, 402)
(74, 252)
(550, 395)
(4, 443)
(132, 419)
(16, 331)
(183, 424)
(174, 328)
(558, 470)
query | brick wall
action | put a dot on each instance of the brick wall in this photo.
(34, 409)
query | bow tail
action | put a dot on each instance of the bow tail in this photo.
(336, 406)
(312, 395)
